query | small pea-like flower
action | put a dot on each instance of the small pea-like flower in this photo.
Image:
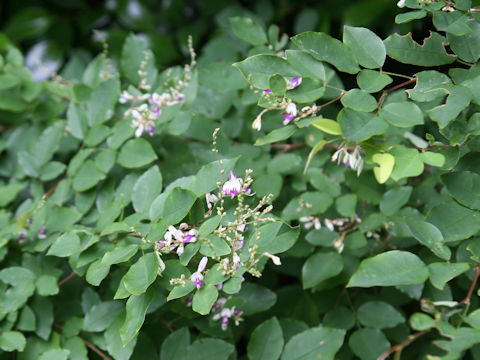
(290, 113)
(310, 221)
(197, 276)
(401, 3)
(233, 186)
(124, 97)
(42, 233)
(275, 259)
(21, 235)
(267, 91)
(329, 224)
(224, 316)
(236, 261)
(242, 227)
(295, 82)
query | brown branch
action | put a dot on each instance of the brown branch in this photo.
(384, 92)
(287, 147)
(89, 345)
(72, 274)
(333, 100)
(52, 189)
(472, 287)
(401, 346)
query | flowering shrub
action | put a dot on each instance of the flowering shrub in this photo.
(148, 213)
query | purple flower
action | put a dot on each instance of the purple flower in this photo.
(42, 233)
(233, 186)
(197, 276)
(267, 91)
(290, 113)
(292, 84)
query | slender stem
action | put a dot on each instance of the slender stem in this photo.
(287, 147)
(397, 349)
(52, 189)
(333, 100)
(472, 287)
(72, 274)
(384, 92)
(395, 74)
(464, 62)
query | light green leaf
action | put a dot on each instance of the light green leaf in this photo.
(275, 237)
(367, 47)
(248, 30)
(277, 84)
(87, 176)
(134, 53)
(119, 254)
(309, 91)
(97, 272)
(136, 310)
(328, 126)
(384, 170)
(389, 269)
(315, 343)
(136, 153)
(8, 193)
(146, 189)
(394, 199)
(266, 341)
(204, 299)
(430, 236)
(431, 53)
(319, 267)
(433, 158)
(455, 23)
(408, 162)
(207, 177)
(404, 114)
(12, 341)
(276, 135)
(180, 290)
(176, 206)
(101, 106)
(55, 354)
(409, 16)
(47, 285)
(319, 146)
(325, 48)
(100, 316)
(141, 274)
(65, 245)
(421, 321)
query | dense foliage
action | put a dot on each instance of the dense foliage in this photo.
(273, 197)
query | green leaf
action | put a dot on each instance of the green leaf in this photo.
(309, 91)
(372, 81)
(368, 343)
(87, 176)
(100, 316)
(389, 269)
(346, 205)
(209, 349)
(379, 315)
(429, 235)
(359, 126)
(430, 53)
(430, 85)
(65, 245)
(325, 48)
(12, 341)
(204, 299)
(458, 100)
(433, 158)
(47, 285)
(328, 126)
(136, 153)
(409, 16)
(408, 162)
(146, 189)
(141, 274)
(276, 135)
(464, 186)
(256, 298)
(306, 64)
(394, 199)
(207, 177)
(319, 146)
(420, 321)
(136, 310)
(209, 226)
(359, 100)
(441, 272)
(55, 354)
(367, 47)
(176, 344)
(119, 254)
(101, 106)
(8, 193)
(177, 205)
(248, 30)
(134, 53)
(467, 47)
(97, 272)
(454, 22)
(261, 67)
(266, 341)
(180, 290)
(404, 114)
(114, 343)
(315, 343)
(277, 84)
(455, 222)
(385, 168)
(51, 136)
(275, 237)
(319, 267)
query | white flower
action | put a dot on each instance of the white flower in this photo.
(292, 84)
(401, 3)
(233, 186)
(290, 113)
(197, 276)
(275, 259)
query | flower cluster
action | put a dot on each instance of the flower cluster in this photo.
(225, 314)
(234, 185)
(352, 160)
(177, 238)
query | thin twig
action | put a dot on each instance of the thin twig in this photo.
(472, 287)
(72, 274)
(384, 92)
(401, 346)
(52, 189)
(287, 147)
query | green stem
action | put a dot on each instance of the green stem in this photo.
(397, 75)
